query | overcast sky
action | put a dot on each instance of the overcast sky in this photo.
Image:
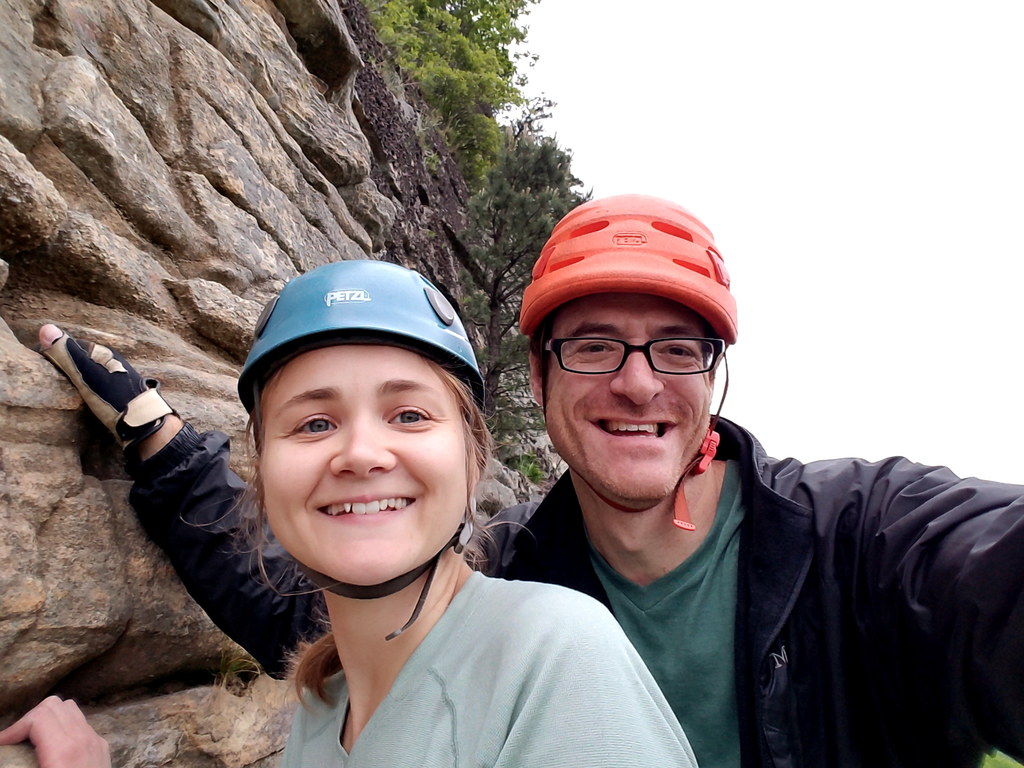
(862, 168)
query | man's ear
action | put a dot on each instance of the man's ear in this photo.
(537, 378)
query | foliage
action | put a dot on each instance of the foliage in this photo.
(528, 466)
(999, 760)
(460, 52)
(522, 197)
(237, 670)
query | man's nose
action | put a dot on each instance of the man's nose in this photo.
(636, 380)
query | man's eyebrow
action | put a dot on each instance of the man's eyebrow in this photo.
(593, 328)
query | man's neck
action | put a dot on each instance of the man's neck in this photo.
(644, 546)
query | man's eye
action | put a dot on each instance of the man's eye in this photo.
(409, 417)
(681, 350)
(316, 426)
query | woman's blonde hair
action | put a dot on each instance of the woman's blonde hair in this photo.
(315, 662)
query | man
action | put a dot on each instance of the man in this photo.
(839, 613)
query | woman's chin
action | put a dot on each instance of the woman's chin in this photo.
(363, 573)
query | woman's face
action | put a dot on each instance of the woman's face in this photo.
(363, 461)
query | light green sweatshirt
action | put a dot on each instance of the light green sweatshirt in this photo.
(514, 675)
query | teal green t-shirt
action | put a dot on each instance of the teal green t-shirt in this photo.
(683, 625)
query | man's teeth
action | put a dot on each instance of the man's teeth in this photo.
(365, 507)
(620, 426)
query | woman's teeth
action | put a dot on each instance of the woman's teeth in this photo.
(365, 507)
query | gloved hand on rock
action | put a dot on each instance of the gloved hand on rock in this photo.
(129, 405)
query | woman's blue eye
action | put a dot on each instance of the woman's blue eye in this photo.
(409, 417)
(317, 425)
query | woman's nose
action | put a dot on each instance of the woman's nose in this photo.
(361, 449)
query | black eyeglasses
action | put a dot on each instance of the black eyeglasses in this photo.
(678, 356)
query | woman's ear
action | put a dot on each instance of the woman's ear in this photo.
(474, 481)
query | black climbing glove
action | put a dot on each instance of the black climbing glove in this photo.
(130, 406)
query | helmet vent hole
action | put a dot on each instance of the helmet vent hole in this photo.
(587, 229)
(693, 267)
(669, 229)
(566, 263)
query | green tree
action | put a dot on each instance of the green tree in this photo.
(529, 189)
(461, 54)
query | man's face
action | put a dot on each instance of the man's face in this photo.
(631, 433)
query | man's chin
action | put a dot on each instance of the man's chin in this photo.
(638, 500)
(631, 495)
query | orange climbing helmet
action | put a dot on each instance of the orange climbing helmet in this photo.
(631, 244)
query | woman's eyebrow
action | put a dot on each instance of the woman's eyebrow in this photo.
(313, 395)
(398, 386)
(321, 394)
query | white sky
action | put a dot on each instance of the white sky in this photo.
(862, 168)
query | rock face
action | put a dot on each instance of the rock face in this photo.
(165, 167)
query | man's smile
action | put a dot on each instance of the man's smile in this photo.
(631, 428)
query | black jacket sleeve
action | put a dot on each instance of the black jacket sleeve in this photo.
(192, 505)
(953, 559)
(934, 565)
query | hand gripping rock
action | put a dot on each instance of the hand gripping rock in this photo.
(129, 405)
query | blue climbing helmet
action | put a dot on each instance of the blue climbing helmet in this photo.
(358, 302)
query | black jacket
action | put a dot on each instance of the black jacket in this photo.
(880, 614)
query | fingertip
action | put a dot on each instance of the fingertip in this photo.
(48, 335)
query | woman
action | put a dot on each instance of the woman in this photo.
(364, 398)
(364, 395)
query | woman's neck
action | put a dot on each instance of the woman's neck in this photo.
(372, 663)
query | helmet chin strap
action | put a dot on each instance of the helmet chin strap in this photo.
(705, 455)
(708, 448)
(370, 592)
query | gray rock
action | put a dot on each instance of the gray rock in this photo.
(22, 65)
(218, 314)
(165, 167)
(18, 756)
(248, 261)
(492, 496)
(95, 130)
(165, 634)
(30, 206)
(208, 727)
(88, 261)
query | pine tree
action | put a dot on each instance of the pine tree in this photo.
(510, 218)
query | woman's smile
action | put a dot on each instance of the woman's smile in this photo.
(365, 507)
